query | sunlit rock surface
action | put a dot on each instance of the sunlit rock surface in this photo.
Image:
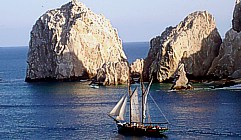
(113, 73)
(137, 67)
(195, 42)
(71, 43)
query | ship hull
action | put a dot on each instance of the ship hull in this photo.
(151, 131)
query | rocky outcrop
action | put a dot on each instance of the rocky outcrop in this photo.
(137, 67)
(181, 81)
(71, 43)
(236, 22)
(113, 73)
(194, 42)
(227, 64)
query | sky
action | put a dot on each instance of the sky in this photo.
(135, 20)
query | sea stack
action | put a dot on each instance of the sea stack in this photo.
(227, 64)
(181, 81)
(71, 43)
(195, 42)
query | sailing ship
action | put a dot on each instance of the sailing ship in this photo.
(137, 124)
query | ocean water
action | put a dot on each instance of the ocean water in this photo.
(73, 110)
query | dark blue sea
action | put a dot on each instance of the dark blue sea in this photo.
(73, 110)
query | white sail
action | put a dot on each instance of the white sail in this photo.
(135, 108)
(122, 110)
(145, 100)
(119, 108)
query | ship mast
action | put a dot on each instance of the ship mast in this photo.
(142, 99)
(129, 90)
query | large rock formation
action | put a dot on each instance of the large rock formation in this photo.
(194, 42)
(113, 73)
(227, 64)
(71, 43)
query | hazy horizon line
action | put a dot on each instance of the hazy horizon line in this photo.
(12, 46)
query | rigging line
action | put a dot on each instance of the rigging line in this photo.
(158, 108)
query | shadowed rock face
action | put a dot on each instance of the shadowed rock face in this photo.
(236, 22)
(227, 64)
(194, 42)
(71, 43)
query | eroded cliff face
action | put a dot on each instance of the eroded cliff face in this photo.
(194, 42)
(113, 73)
(71, 43)
(227, 64)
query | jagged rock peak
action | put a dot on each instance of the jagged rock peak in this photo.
(70, 43)
(76, 2)
(195, 17)
(195, 41)
(77, 6)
